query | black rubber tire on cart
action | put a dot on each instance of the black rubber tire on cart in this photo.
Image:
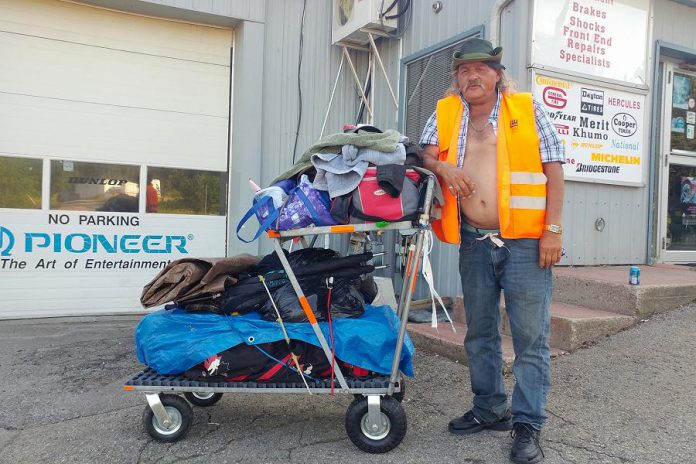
(202, 399)
(179, 411)
(389, 436)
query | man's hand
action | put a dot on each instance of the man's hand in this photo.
(453, 179)
(458, 183)
(550, 246)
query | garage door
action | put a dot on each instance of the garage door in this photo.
(130, 101)
(87, 83)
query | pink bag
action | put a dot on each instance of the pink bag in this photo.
(369, 202)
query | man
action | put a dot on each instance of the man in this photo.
(151, 198)
(499, 161)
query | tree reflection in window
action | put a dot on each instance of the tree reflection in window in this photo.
(21, 182)
(186, 191)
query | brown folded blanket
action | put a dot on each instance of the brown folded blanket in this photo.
(189, 278)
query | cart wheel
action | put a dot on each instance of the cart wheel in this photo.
(381, 437)
(181, 416)
(203, 399)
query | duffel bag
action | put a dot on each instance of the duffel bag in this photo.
(369, 202)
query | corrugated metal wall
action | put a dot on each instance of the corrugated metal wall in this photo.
(320, 63)
(244, 10)
(319, 69)
(674, 22)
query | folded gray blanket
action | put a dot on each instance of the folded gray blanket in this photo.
(340, 173)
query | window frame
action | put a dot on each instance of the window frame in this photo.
(421, 55)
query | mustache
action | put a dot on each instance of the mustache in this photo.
(474, 84)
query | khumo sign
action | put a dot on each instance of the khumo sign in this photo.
(601, 129)
(601, 38)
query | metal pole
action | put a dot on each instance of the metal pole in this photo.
(404, 316)
(357, 81)
(424, 222)
(408, 249)
(381, 65)
(333, 92)
(309, 312)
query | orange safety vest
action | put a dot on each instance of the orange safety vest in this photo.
(521, 179)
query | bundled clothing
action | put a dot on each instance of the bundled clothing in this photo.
(383, 141)
(341, 173)
(312, 267)
(191, 278)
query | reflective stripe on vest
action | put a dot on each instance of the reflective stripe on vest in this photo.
(532, 178)
(528, 202)
(520, 178)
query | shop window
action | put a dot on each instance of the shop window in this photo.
(427, 80)
(82, 186)
(683, 113)
(681, 208)
(20, 185)
(186, 191)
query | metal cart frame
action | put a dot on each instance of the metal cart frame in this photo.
(375, 420)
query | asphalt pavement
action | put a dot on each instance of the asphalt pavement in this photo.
(628, 399)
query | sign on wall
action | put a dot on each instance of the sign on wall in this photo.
(600, 127)
(67, 263)
(601, 38)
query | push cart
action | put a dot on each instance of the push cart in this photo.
(375, 420)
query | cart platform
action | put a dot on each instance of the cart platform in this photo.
(150, 381)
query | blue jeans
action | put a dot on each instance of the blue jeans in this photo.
(486, 269)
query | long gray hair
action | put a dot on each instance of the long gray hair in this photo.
(506, 85)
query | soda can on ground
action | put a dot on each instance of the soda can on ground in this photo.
(634, 275)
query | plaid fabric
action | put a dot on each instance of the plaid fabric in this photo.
(550, 147)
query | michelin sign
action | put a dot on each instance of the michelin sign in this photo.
(602, 129)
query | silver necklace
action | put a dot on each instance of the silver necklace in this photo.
(477, 130)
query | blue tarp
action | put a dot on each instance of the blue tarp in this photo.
(173, 341)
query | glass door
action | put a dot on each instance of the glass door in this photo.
(678, 179)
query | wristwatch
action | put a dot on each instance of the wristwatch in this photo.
(555, 228)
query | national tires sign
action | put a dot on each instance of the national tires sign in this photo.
(600, 127)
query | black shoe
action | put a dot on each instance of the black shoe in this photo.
(468, 424)
(525, 449)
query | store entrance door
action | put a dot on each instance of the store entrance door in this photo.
(678, 179)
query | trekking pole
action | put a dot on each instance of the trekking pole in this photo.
(285, 334)
(329, 287)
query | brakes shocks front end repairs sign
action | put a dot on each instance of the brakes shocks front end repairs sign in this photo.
(601, 128)
(603, 39)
